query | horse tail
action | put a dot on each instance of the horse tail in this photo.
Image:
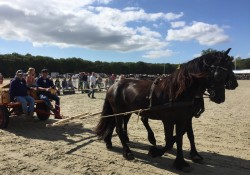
(104, 124)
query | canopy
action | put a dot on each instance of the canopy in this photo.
(245, 71)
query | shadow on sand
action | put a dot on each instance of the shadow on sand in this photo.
(213, 163)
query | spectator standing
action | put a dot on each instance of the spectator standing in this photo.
(80, 81)
(85, 80)
(18, 92)
(1, 78)
(99, 82)
(57, 83)
(70, 84)
(106, 83)
(64, 83)
(92, 83)
(44, 86)
(112, 80)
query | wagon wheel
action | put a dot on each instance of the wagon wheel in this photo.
(42, 111)
(4, 117)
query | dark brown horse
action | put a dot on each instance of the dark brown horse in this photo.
(231, 84)
(172, 101)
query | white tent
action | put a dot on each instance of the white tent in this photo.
(245, 71)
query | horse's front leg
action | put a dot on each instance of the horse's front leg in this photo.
(127, 154)
(195, 157)
(168, 129)
(179, 162)
(151, 136)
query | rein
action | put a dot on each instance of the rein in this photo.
(214, 67)
(153, 108)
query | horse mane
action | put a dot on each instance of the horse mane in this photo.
(183, 77)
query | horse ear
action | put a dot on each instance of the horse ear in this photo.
(228, 50)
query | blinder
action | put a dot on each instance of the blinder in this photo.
(216, 79)
(219, 73)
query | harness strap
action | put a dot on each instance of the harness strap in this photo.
(156, 81)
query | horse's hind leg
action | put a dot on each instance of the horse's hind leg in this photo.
(125, 128)
(126, 151)
(194, 155)
(108, 137)
(151, 136)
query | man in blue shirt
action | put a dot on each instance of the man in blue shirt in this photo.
(18, 92)
(44, 86)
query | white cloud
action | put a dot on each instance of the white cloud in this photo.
(158, 54)
(205, 34)
(104, 1)
(131, 8)
(177, 24)
(79, 23)
(173, 16)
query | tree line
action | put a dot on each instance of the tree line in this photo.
(10, 63)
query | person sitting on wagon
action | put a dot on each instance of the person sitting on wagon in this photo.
(44, 87)
(18, 92)
(30, 78)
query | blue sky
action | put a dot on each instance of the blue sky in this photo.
(152, 31)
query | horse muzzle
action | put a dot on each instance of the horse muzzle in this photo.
(217, 95)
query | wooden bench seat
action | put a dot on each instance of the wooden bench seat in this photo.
(18, 104)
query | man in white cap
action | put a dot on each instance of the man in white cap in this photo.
(18, 92)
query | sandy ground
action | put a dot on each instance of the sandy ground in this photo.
(222, 136)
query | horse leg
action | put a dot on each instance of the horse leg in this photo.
(151, 136)
(127, 154)
(195, 157)
(125, 130)
(169, 139)
(168, 129)
(108, 137)
(179, 162)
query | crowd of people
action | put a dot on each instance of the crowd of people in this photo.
(87, 82)
(243, 76)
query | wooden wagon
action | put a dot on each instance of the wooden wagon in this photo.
(8, 108)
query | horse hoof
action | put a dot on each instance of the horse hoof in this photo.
(187, 169)
(155, 152)
(197, 159)
(109, 145)
(129, 156)
(182, 166)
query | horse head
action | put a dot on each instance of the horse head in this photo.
(220, 69)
